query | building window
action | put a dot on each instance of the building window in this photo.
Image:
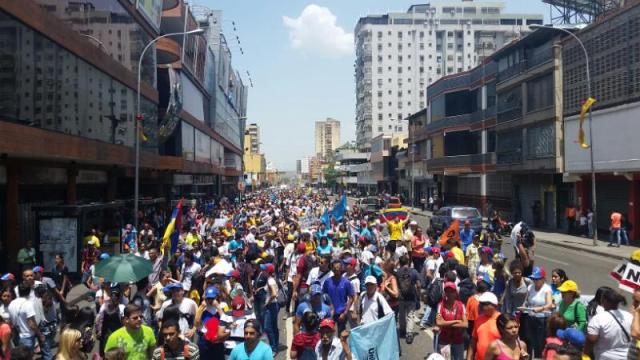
(421, 46)
(379, 128)
(379, 69)
(379, 34)
(421, 34)
(380, 116)
(379, 105)
(400, 117)
(540, 142)
(540, 93)
(421, 58)
(379, 93)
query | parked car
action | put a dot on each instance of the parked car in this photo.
(442, 218)
(370, 205)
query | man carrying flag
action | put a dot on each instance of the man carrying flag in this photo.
(169, 234)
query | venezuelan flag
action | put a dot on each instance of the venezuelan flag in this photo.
(401, 213)
(172, 232)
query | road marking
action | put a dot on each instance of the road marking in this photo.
(552, 260)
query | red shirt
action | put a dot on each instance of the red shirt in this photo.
(304, 340)
(485, 331)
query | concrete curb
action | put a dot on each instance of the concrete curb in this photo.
(586, 250)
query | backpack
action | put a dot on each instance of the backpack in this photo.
(363, 296)
(434, 292)
(406, 284)
(185, 351)
(466, 290)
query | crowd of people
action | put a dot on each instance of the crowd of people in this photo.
(240, 267)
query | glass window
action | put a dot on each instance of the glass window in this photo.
(540, 93)
(540, 142)
(84, 102)
(188, 142)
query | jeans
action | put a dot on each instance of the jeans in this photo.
(270, 325)
(429, 317)
(29, 342)
(45, 348)
(620, 235)
(405, 317)
(418, 262)
(536, 329)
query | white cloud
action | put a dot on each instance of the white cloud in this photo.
(315, 31)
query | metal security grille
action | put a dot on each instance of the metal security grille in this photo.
(614, 52)
(540, 142)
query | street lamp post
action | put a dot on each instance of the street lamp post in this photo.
(589, 94)
(139, 118)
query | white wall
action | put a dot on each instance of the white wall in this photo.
(615, 141)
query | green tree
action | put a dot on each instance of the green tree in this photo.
(331, 176)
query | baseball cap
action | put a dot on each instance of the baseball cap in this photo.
(413, 222)
(174, 285)
(538, 273)
(568, 285)
(486, 250)
(211, 292)
(488, 297)
(238, 306)
(450, 285)
(234, 274)
(370, 280)
(8, 277)
(573, 336)
(104, 256)
(350, 261)
(91, 242)
(328, 323)
(435, 250)
(38, 269)
(268, 268)
(315, 289)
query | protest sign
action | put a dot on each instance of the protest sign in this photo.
(627, 274)
(376, 340)
(307, 222)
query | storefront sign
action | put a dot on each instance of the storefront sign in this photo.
(182, 179)
(202, 179)
(91, 177)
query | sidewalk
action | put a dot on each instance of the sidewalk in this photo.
(567, 241)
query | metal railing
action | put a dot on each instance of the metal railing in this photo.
(509, 114)
(462, 160)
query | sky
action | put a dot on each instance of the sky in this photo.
(300, 55)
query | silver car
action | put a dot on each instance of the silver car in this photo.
(442, 218)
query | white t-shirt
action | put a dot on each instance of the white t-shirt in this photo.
(314, 275)
(187, 274)
(293, 269)
(537, 298)
(612, 342)
(355, 286)
(401, 251)
(370, 307)
(514, 236)
(32, 294)
(271, 282)
(187, 306)
(21, 309)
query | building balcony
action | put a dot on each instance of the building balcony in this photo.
(449, 122)
(461, 162)
(509, 114)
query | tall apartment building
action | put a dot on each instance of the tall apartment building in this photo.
(327, 137)
(399, 54)
(253, 133)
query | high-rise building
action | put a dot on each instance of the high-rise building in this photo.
(327, 137)
(399, 54)
(253, 133)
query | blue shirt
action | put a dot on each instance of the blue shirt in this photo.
(367, 234)
(321, 233)
(325, 250)
(466, 237)
(338, 291)
(323, 311)
(261, 352)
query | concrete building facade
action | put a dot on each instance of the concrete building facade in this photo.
(398, 55)
(327, 137)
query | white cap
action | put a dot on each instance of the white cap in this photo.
(488, 297)
(91, 242)
(413, 222)
(370, 280)
(274, 229)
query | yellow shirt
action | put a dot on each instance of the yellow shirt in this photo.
(191, 239)
(395, 229)
(458, 254)
(309, 246)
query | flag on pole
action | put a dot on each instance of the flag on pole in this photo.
(172, 232)
(340, 208)
(585, 107)
(325, 218)
(375, 340)
(452, 232)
